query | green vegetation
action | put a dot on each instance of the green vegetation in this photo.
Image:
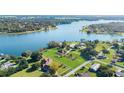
(111, 28)
(52, 53)
(105, 71)
(24, 73)
(60, 58)
(22, 24)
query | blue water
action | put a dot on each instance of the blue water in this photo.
(16, 44)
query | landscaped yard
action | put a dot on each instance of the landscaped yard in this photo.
(100, 46)
(85, 70)
(120, 63)
(52, 53)
(23, 73)
(109, 56)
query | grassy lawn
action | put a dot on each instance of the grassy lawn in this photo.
(91, 74)
(72, 43)
(23, 73)
(120, 63)
(109, 56)
(100, 46)
(2, 60)
(85, 70)
(51, 53)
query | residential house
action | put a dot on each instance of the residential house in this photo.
(94, 67)
(119, 73)
(45, 67)
(7, 65)
(72, 45)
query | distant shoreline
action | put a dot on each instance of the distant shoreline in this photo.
(28, 32)
(105, 28)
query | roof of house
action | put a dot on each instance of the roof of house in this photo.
(72, 45)
(47, 61)
(119, 73)
(85, 75)
(95, 67)
(7, 64)
(82, 44)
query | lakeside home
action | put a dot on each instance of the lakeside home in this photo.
(6, 65)
(64, 51)
(94, 67)
(119, 73)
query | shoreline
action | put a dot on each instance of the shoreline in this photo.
(103, 33)
(28, 32)
(112, 33)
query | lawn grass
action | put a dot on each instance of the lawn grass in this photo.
(52, 53)
(109, 56)
(23, 73)
(85, 70)
(100, 46)
(120, 63)
(91, 74)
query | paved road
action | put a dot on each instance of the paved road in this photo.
(82, 65)
(107, 64)
(77, 68)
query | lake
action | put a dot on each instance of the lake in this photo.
(16, 44)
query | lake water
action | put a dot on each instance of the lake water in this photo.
(16, 44)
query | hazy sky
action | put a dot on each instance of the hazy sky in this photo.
(77, 7)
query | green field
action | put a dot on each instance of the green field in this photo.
(52, 53)
(100, 46)
(23, 73)
(109, 56)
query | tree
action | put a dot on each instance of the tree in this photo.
(22, 64)
(34, 67)
(82, 40)
(7, 72)
(122, 47)
(116, 46)
(64, 44)
(105, 71)
(2, 73)
(36, 56)
(90, 44)
(88, 52)
(53, 44)
(96, 41)
(26, 54)
(10, 71)
(105, 51)
(13, 57)
(54, 65)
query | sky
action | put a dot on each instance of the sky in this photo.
(61, 7)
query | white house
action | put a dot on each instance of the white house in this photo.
(72, 45)
(94, 67)
(119, 73)
(7, 65)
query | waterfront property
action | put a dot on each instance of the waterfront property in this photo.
(64, 51)
(94, 67)
(33, 41)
